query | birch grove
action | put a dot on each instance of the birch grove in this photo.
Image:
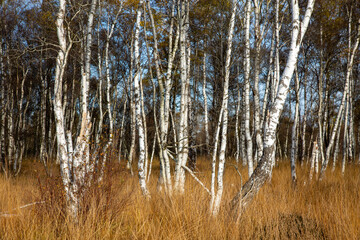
(95, 87)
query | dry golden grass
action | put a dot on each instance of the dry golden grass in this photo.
(328, 209)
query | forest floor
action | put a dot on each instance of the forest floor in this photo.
(115, 209)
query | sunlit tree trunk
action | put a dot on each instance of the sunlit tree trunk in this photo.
(314, 160)
(263, 169)
(249, 150)
(20, 140)
(44, 88)
(320, 103)
(100, 95)
(183, 141)
(237, 155)
(216, 198)
(164, 94)
(304, 122)
(345, 136)
(137, 98)
(206, 115)
(61, 62)
(132, 112)
(336, 151)
(258, 40)
(294, 132)
(74, 161)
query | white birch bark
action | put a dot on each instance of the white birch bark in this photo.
(336, 151)
(314, 160)
(249, 149)
(304, 122)
(61, 62)
(109, 32)
(269, 78)
(206, 115)
(220, 185)
(132, 110)
(164, 93)
(294, 135)
(122, 129)
(20, 128)
(100, 95)
(345, 136)
(258, 40)
(242, 132)
(351, 147)
(275, 84)
(262, 171)
(10, 120)
(183, 141)
(137, 96)
(43, 152)
(320, 108)
(237, 155)
(74, 162)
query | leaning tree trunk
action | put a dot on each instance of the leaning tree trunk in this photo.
(262, 172)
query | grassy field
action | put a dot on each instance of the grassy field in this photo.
(329, 209)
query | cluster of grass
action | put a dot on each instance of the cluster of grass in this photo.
(115, 208)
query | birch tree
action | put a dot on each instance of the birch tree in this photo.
(249, 149)
(294, 132)
(183, 145)
(216, 197)
(262, 171)
(74, 161)
(137, 96)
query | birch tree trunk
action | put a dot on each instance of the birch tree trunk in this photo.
(320, 108)
(206, 115)
(100, 96)
(237, 155)
(258, 40)
(61, 62)
(249, 150)
(304, 121)
(132, 112)
(74, 162)
(3, 115)
(262, 171)
(314, 160)
(336, 151)
(216, 199)
(43, 152)
(109, 33)
(137, 96)
(11, 140)
(164, 95)
(345, 136)
(294, 135)
(183, 146)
